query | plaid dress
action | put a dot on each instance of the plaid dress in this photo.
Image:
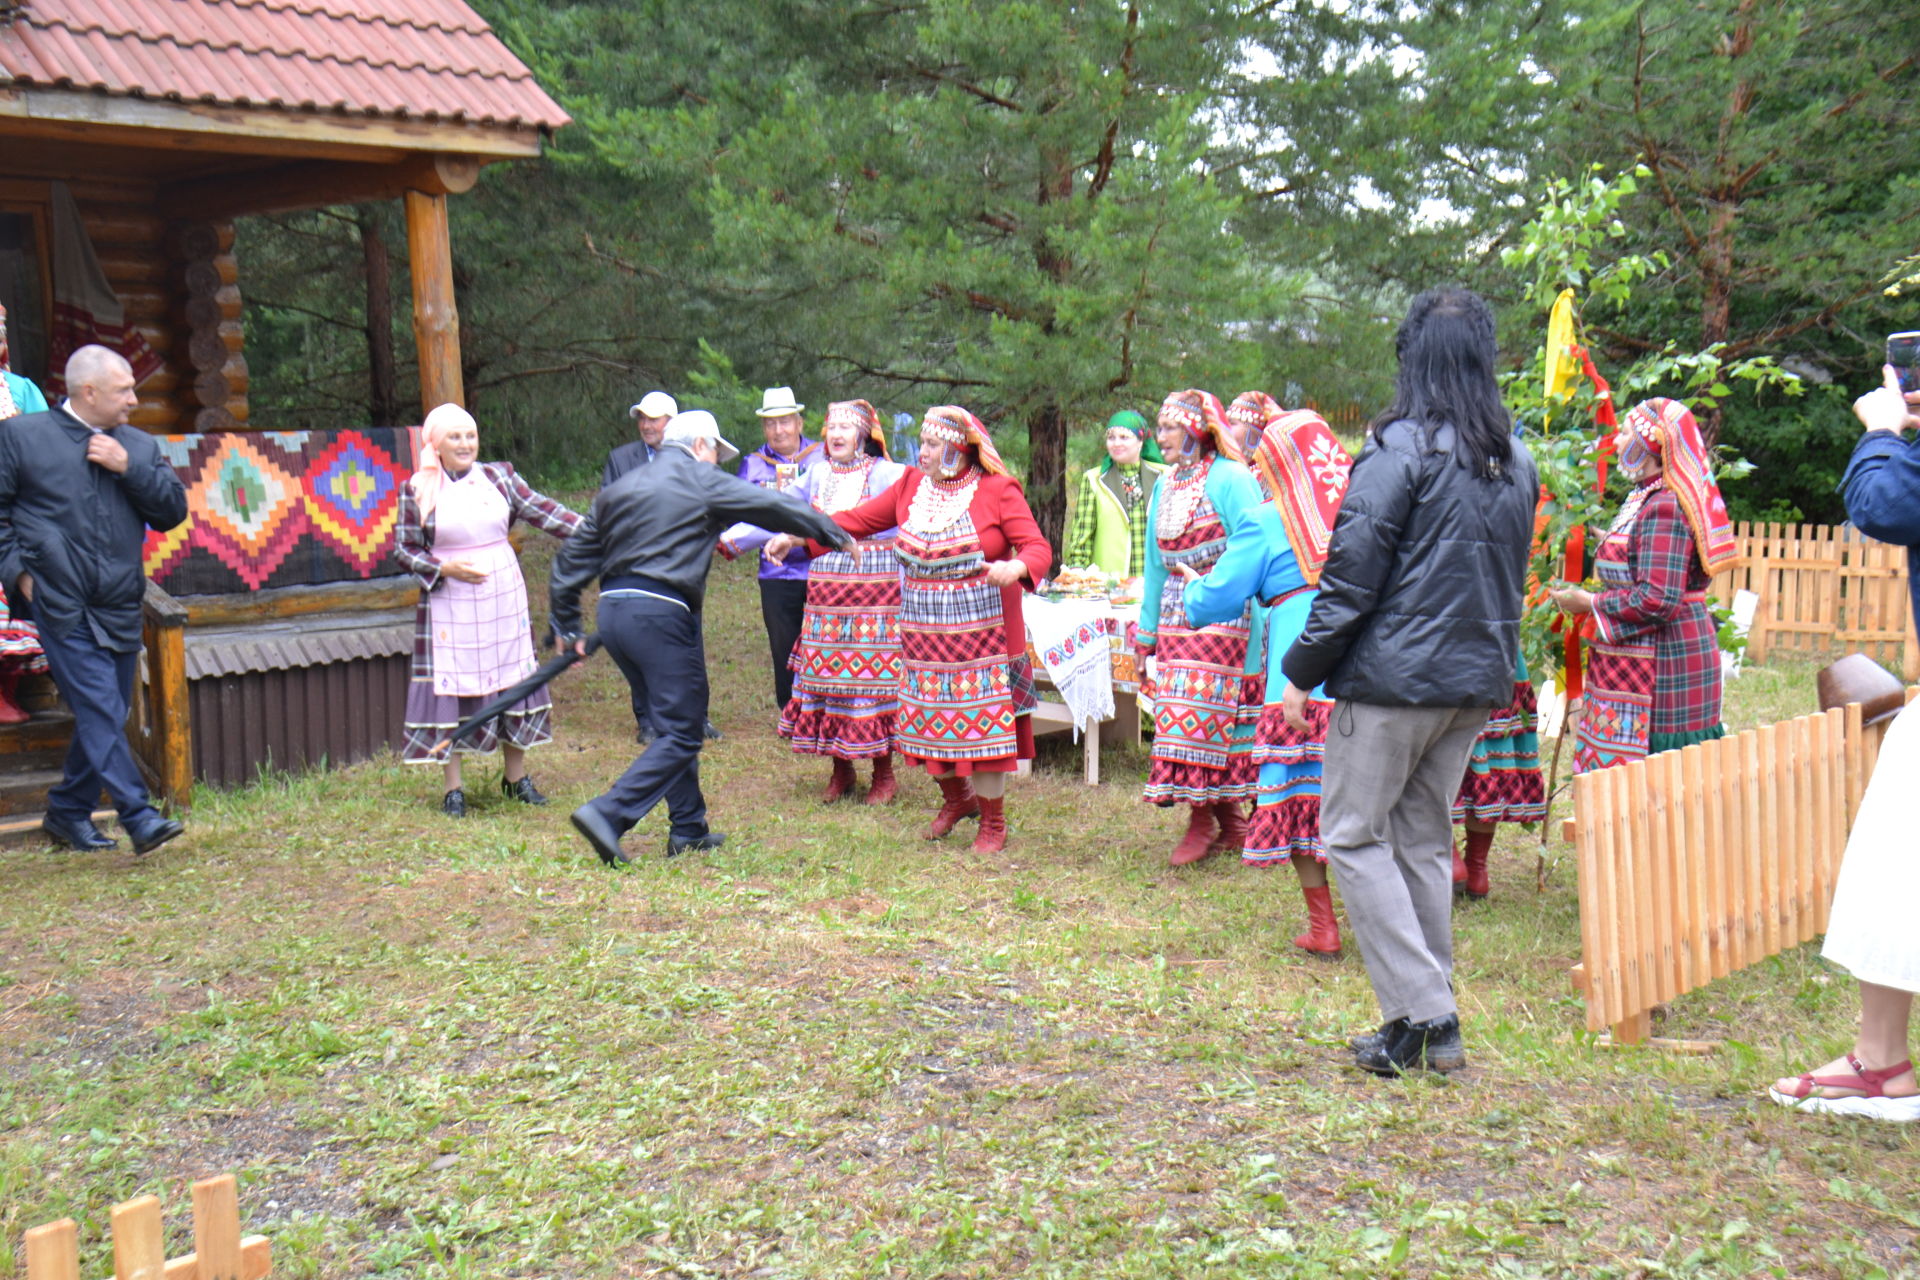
(429, 713)
(1653, 670)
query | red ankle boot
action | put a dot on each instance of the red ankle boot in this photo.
(1233, 828)
(1323, 931)
(885, 786)
(993, 825)
(10, 711)
(842, 781)
(1479, 845)
(1459, 872)
(1198, 842)
(960, 802)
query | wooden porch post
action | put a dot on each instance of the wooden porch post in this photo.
(436, 321)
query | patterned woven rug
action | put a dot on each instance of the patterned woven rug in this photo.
(282, 508)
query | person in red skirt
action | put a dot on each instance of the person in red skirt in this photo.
(1207, 690)
(846, 665)
(970, 546)
(1502, 784)
(1275, 556)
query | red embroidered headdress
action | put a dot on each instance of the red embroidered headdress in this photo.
(955, 425)
(1667, 427)
(1304, 470)
(1199, 413)
(864, 418)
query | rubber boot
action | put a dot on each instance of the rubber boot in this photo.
(1479, 844)
(960, 802)
(1323, 931)
(993, 825)
(885, 785)
(841, 783)
(10, 711)
(1459, 873)
(1198, 842)
(1233, 827)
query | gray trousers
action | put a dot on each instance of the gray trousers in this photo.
(1385, 813)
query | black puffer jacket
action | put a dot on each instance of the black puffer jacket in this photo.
(1420, 600)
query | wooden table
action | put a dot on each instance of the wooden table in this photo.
(1129, 704)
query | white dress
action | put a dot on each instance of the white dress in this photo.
(1870, 931)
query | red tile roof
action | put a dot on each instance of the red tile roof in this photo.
(421, 59)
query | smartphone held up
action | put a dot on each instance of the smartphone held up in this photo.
(1903, 353)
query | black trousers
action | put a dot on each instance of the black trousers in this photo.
(783, 601)
(98, 684)
(656, 644)
(637, 685)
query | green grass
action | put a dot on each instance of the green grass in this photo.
(833, 1050)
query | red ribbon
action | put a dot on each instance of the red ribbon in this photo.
(1573, 569)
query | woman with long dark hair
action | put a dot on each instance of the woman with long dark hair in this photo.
(1415, 632)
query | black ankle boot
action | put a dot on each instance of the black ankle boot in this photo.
(1374, 1040)
(1417, 1046)
(522, 790)
(454, 803)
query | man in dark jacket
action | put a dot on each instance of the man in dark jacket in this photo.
(1415, 632)
(650, 419)
(78, 490)
(650, 539)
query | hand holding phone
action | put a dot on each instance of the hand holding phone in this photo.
(1903, 357)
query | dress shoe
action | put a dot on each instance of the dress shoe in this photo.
(81, 836)
(1417, 1046)
(713, 734)
(1373, 1040)
(155, 833)
(643, 737)
(522, 789)
(454, 803)
(592, 824)
(677, 845)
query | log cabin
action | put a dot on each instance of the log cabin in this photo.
(147, 127)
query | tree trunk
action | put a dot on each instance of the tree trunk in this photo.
(1046, 474)
(383, 392)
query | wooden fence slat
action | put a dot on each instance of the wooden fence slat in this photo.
(139, 1240)
(53, 1251)
(216, 1228)
(1681, 911)
(1592, 899)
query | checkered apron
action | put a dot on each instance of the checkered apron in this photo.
(959, 692)
(1617, 724)
(482, 640)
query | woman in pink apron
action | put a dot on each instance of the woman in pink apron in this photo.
(471, 633)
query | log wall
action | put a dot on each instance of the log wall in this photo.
(179, 283)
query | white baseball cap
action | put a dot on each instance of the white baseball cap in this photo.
(698, 424)
(654, 404)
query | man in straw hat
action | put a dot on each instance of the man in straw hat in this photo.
(778, 465)
(650, 540)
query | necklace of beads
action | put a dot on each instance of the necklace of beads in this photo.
(937, 504)
(846, 484)
(1181, 497)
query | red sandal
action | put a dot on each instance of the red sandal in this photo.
(1870, 1097)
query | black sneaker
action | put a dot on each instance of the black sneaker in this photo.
(713, 734)
(643, 737)
(1417, 1046)
(454, 803)
(1373, 1040)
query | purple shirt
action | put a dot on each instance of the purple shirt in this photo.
(769, 470)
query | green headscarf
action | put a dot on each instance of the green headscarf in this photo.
(1136, 423)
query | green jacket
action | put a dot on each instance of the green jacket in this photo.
(1101, 535)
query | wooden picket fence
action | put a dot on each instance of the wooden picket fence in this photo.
(220, 1252)
(1698, 862)
(1824, 589)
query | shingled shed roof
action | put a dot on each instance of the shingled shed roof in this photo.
(404, 59)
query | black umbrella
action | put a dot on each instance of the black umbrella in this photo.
(507, 697)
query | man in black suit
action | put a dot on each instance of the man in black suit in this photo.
(650, 417)
(78, 490)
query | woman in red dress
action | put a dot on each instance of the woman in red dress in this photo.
(969, 546)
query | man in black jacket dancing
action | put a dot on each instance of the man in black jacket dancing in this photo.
(650, 539)
(79, 489)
